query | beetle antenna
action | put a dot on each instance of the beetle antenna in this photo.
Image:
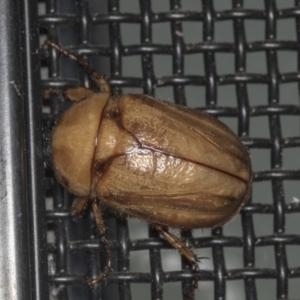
(99, 80)
(83, 64)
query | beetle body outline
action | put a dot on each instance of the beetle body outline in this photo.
(125, 163)
(125, 138)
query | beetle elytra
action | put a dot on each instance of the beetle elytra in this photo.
(166, 164)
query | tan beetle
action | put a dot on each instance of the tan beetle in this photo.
(166, 164)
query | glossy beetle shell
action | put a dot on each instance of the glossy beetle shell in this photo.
(153, 160)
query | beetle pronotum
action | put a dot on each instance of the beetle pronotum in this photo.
(166, 164)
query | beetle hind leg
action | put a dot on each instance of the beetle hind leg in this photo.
(101, 228)
(186, 252)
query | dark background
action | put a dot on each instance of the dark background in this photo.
(237, 60)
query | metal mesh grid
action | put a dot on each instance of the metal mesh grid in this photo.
(74, 251)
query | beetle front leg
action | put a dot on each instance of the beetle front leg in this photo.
(185, 251)
(100, 225)
(74, 94)
(78, 93)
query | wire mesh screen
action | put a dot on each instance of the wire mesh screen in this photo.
(237, 60)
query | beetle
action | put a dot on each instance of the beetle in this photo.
(166, 164)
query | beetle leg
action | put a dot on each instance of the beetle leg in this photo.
(98, 218)
(100, 224)
(183, 250)
(75, 94)
(177, 244)
(79, 206)
(99, 80)
(78, 93)
(48, 93)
